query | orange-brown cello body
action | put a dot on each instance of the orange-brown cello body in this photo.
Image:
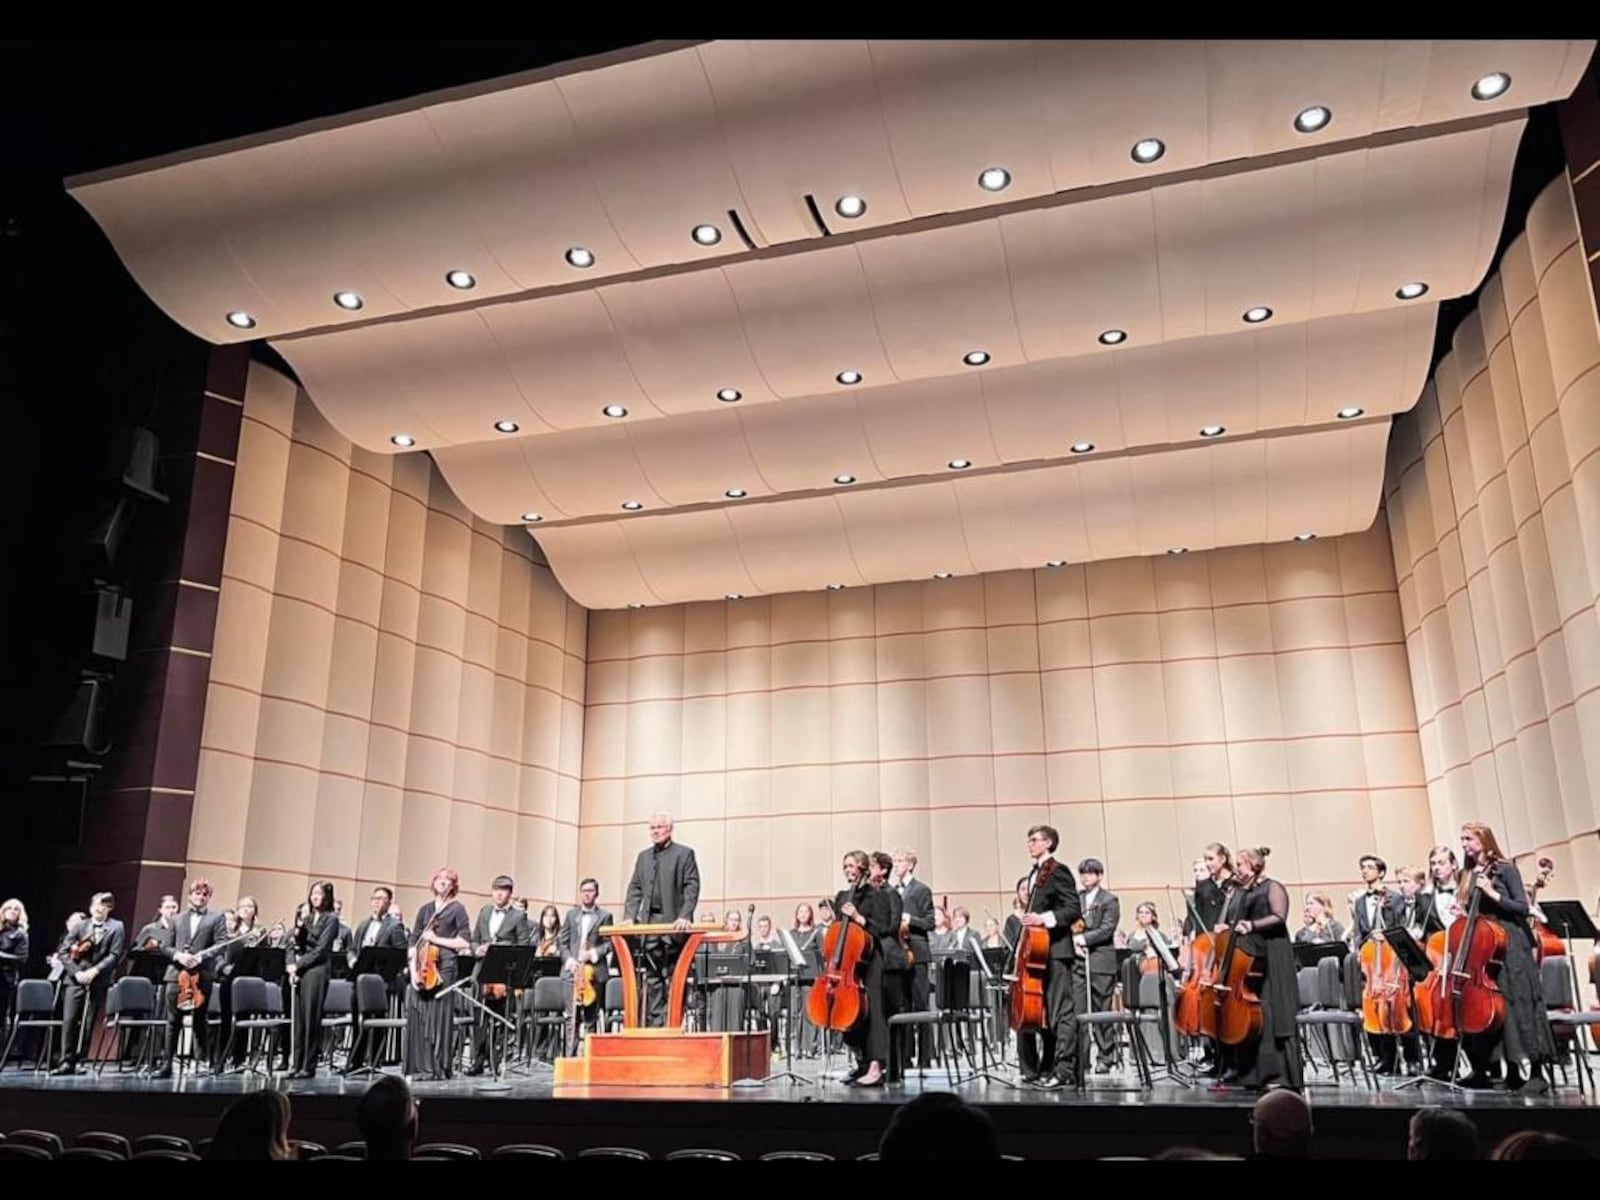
(837, 1000)
(1192, 1013)
(1027, 989)
(1236, 994)
(1464, 991)
(1429, 998)
(1386, 994)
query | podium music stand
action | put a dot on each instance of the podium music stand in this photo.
(637, 1056)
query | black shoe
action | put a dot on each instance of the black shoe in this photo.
(67, 1067)
(1050, 1083)
(1534, 1085)
(1029, 1077)
(477, 1069)
(303, 1073)
(164, 1073)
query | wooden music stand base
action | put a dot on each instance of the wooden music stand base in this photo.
(667, 1058)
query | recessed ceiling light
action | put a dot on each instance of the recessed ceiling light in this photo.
(1056, 562)
(730, 395)
(1082, 447)
(461, 280)
(532, 518)
(241, 320)
(1410, 291)
(735, 596)
(1178, 550)
(507, 426)
(1491, 85)
(849, 378)
(580, 257)
(1309, 120)
(975, 358)
(1304, 537)
(844, 479)
(835, 587)
(631, 506)
(1350, 413)
(1255, 316)
(614, 410)
(959, 464)
(1212, 430)
(1113, 337)
(735, 493)
(348, 300)
(635, 604)
(994, 179)
(850, 207)
(942, 574)
(706, 235)
(1147, 150)
(403, 439)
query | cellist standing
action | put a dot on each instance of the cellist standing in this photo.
(1053, 904)
(1258, 913)
(864, 904)
(1524, 1037)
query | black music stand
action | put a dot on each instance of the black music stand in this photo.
(1412, 956)
(795, 963)
(1309, 954)
(508, 966)
(1180, 1073)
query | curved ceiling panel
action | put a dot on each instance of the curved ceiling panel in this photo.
(1310, 240)
(1275, 377)
(1263, 489)
(624, 157)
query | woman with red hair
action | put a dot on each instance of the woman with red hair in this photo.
(441, 923)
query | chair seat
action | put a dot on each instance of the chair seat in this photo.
(1328, 1017)
(384, 1023)
(334, 1022)
(1574, 1018)
(915, 1018)
(1106, 1018)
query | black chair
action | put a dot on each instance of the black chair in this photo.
(452, 1150)
(336, 1008)
(1561, 1007)
(40, 1139)
(253, 1003)
(19, 1151)
(166, 1141)
(113, 1142)
(546, 1005)
(91, 1154)
(873, 1157)
(131, 1008)
(796, 1156)
(351, 1149)
(614, 1152)
(372, 1007)
(1116, 1020)
(526, 1150)
(35, 1006)
(306, 1151)
(612, 1014)
(702, 1155)
(165, 1156)
(347, 1158)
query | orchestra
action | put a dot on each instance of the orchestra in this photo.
(1444, 959)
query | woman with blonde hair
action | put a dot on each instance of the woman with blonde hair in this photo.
(13, 958)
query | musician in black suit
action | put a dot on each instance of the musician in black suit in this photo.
(1097, 950)
(383, 928)
(580, 942)
(1372, 910)
(916, 923)
(664, 888)
(312, 966)
(99, 943)
(1053, 905)
(195, 930)
(159, 933)
(866, 905)
(501, 923)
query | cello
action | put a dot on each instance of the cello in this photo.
(837, 999)
(1190, 1014)
(1385, 992)
(1546, 942)
(1463, 993)
(1235, 996)
(1027, 1010)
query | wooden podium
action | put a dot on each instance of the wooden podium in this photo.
(668, 1057)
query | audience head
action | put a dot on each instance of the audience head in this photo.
(387, 1119)
(938, 1125)
(1533, 1145)
(1282, 1123)
(1441, 1133)
(255, 1128)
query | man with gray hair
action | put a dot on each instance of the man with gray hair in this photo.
(664, 889)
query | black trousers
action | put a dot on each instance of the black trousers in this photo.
(1101, 988)
(78, 1007)
(659, 956)
(309, 1000)
(174, 1018)
(489, 1040)
(917, 1001)
(870, 1037)
(1055, 1049)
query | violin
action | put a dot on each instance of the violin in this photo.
(425, 974)
(837, 999)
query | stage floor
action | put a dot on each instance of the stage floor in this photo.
(1109, 1117)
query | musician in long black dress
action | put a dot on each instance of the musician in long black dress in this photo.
(1258, 913)
(1524, 1042)
(430, 1032)
(13, 960)
(312, 966)
(867, 906)
(896, 985)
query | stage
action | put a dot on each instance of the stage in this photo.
(1110, 1117)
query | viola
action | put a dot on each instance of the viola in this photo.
(837, 1000)
(425, 973)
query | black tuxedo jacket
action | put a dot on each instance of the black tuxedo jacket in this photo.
(917, 904)
(677, 874)
(1055, 891)
(515, 928)
(391, 935)
(210, 930)
(1388, 914)
(324, 931)
(572, 933)
(1100, 921)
